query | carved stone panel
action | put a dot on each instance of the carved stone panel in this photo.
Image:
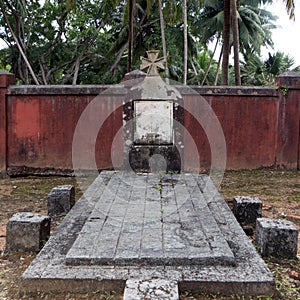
(153, 122)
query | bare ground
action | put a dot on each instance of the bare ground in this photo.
(279, 191)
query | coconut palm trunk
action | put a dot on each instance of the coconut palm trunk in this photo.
(236, 42)
(210, 62)
(163, 37)
(226, 42)
(185, 43)
(130, 34)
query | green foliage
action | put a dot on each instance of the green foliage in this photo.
(255, 24)
(255, 71)
(284, 89)
(4, 60)
(85, 42)
(285, 285)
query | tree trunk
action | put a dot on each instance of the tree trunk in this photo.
(226, 46)
(119, 56)
(236, 42)
(130, 35)
(43, 73)
(20, 48)
(76, 70)
(185, 43)
(79, 58)
(163, 37)
(210, 62)
(194, 69)
(218, 67)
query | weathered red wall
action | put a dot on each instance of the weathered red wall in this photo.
(288, 133)
(40, 130)
(261, 126)
(249, 123)
(6, 79)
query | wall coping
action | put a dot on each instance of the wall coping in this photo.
(57, 89)
(247, 91)
(119, 90)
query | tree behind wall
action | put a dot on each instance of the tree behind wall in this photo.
(89, 44)
(236, 42)
(226, 42)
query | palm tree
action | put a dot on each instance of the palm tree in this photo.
(258, 72)
(278, 63)
(290, 8)
(254, 27)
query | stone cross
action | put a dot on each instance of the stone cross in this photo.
(152, 63)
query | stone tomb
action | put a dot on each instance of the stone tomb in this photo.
(135, 227)
(131, 226)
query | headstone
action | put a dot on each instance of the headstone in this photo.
(247, 209)
(153, 116)
(60, 200)
(278, 238)
(26, 231)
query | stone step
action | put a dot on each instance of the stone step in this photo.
(154, 289)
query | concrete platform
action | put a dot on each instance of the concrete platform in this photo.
(127, 226)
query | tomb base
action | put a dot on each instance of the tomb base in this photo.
(66, 263)
(154, 158)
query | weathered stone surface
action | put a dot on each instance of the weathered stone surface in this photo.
(153, 122)
(277, 238)
(60, 200)
(151, 219)
(27, 232)
(154, 289)
(135, 74)
(49, 272)
(150, 158)
(247, 209)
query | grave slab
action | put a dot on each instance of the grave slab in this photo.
(174, 227)
(173, 205)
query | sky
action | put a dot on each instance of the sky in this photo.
(286, 37)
